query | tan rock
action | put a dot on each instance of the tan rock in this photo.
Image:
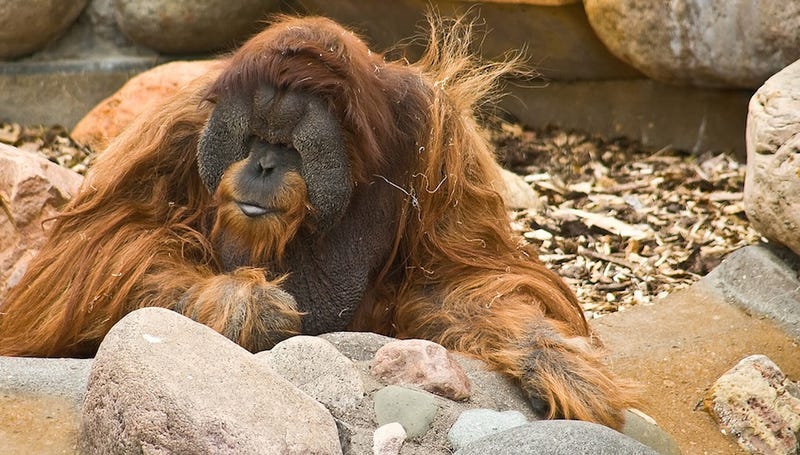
(317, 368)
(772, 180)
(191, 26)
(26, 27)
(108, 118)
(728, 43)
(162, 383)
(32, 190)
(757, 404)
(424, 364)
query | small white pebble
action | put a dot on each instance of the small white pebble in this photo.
(388, 439)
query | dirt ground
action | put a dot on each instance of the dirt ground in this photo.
(37, 424)
(677, 348)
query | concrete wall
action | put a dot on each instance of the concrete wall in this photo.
(582, 87)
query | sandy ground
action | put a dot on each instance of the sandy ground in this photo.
(37, 425)
(677, 347)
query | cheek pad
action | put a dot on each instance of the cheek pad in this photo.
(223, 140)
(319, 140)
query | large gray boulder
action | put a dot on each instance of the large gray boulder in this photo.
(772, 181)
(162, 383)
(557, 437)
(729, 43)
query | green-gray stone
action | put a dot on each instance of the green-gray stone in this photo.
(413, 409)
(649, 434)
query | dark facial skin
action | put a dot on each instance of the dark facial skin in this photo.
(263, 174)
(344, 243)
(294, 120)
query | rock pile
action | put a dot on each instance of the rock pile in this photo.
(161, 382)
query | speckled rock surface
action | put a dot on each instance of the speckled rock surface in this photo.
(758, 405)
(423, 364)
(723, 43)
(28, 26)
(772, 182)
(181, 27)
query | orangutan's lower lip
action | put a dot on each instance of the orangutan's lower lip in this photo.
(253, 210)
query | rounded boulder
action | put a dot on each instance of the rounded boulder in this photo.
(26, 27)
(186, 27)
(772, 180)
(718, 43)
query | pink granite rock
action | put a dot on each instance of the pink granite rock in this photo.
(32, 190)
(421, 363)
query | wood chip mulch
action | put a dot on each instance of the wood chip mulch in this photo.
(51, 141)
(623, 224)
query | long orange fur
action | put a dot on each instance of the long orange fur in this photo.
(143, 229)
